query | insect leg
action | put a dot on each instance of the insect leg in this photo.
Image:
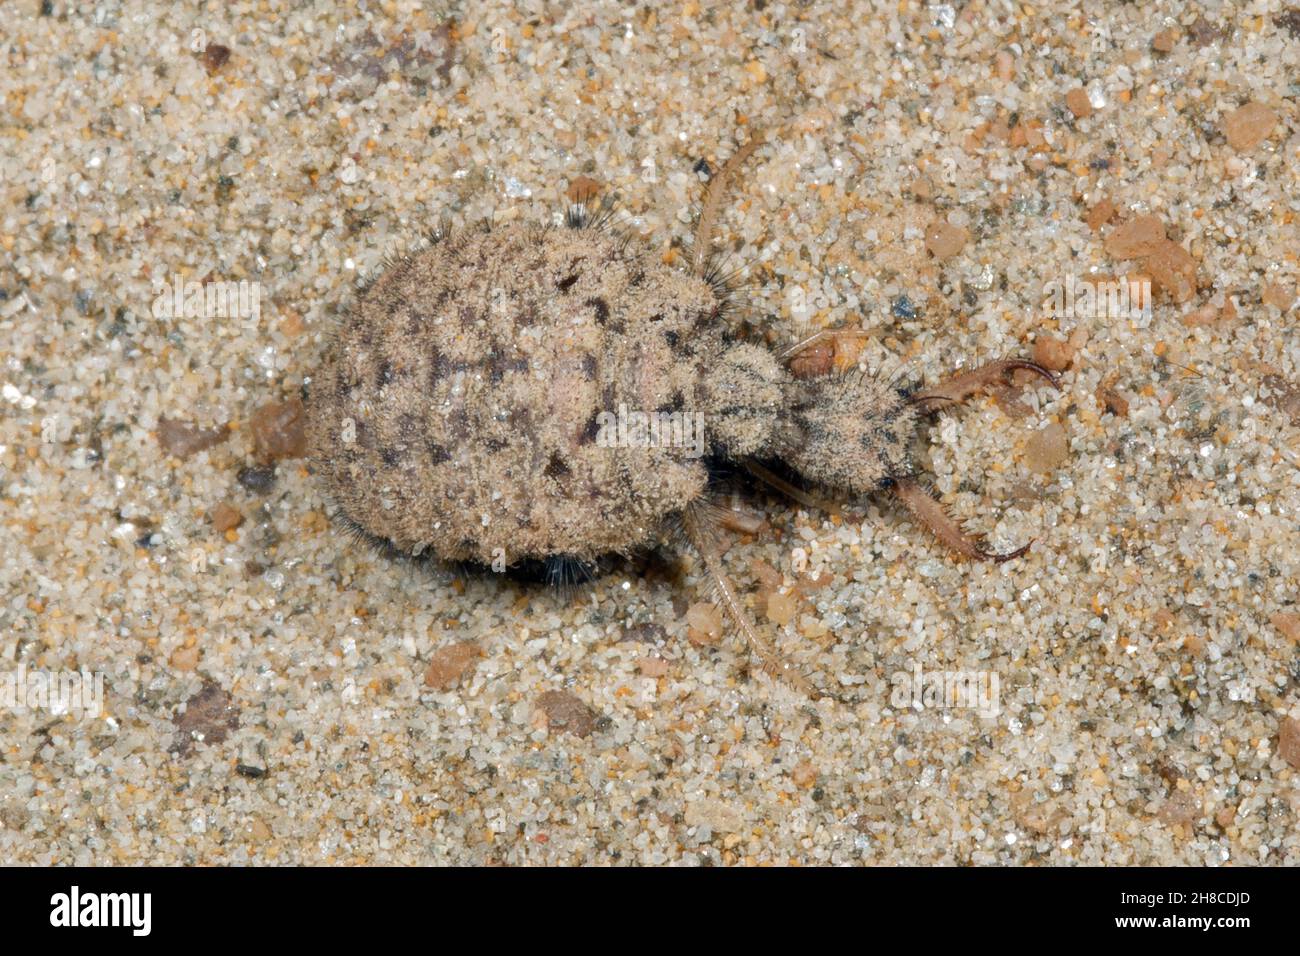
(713, 198)
(778, 483)
(700, 531)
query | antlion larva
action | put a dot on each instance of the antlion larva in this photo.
(475, 402)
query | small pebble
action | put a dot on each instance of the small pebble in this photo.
(1248, 126)
(185, 658)
(1202, 32)
(1288, 743)
(769, 578)
(1165, 40)
(1053, 353)
(1180, 809)
(257, 480)
(279, 430)
(1289, 20)
(944, 240)
(214, 57)
(1112, 401)
(1209, 313)
(292, 324)
(257, 831)
(565, 712)
(1173, 271)
(1100, 214)
(209, 716)
(224, 517)
(1039, 816)
(181, 439)
(1279, 295)
(781, 608)
(1140, 236)
(1287, 624)
(704, 623)
(1078, 103)
(1047, 448)
(902, 308)
(582, 189)
(1005, 66)
(448, 664)
(646, 633)
(1284, 396)
(804, 774)
(652, 666)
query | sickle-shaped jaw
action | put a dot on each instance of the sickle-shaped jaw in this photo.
(961, 387)
(923, 506)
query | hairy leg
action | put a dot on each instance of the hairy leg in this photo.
(713, 198)
(700, 531)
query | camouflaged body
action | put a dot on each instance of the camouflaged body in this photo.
(457, 410)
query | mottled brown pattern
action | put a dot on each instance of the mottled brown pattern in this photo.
(473, 373)
(457, 412)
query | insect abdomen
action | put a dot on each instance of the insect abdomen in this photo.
(460, 409)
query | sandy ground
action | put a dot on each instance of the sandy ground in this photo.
(274, 692)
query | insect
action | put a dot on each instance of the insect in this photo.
(466, 407)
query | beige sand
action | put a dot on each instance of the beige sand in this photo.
(929, 180)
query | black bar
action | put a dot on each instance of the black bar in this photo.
(438, 905)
